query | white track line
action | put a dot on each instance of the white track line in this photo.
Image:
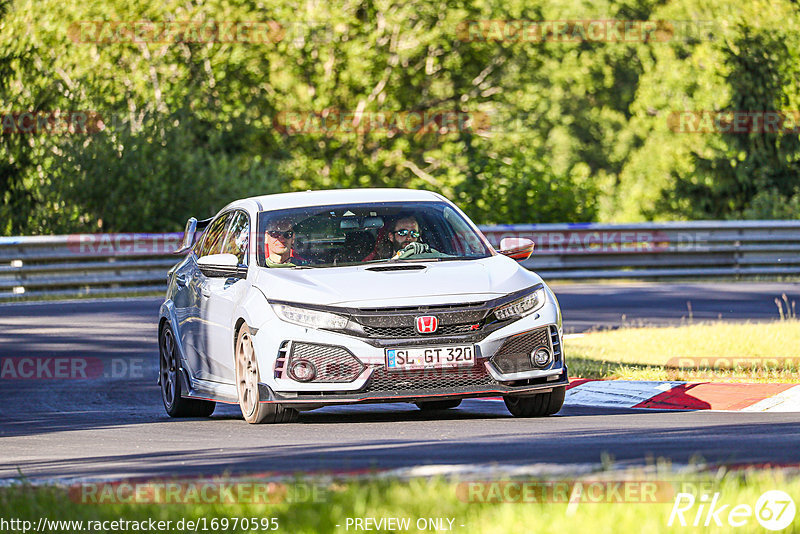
(786, 401)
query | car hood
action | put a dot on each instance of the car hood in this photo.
(407, 284)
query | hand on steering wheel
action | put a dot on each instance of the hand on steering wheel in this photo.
(412, 249)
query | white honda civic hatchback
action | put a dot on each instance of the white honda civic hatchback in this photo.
(295, 301)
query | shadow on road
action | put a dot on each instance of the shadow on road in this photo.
(554, 440)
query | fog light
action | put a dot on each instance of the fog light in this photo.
(540, 357)
(303, 371)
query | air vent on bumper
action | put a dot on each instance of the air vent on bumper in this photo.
(517, 352)
(314, 362)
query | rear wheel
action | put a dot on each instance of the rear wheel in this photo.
(430, 406)
(247, 379)
(536, 405)
(176, 405)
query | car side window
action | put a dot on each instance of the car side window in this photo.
(213, 236)
(238, 237)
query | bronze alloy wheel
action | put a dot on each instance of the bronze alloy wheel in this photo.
(247, 379)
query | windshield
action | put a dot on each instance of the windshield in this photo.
(332, 236)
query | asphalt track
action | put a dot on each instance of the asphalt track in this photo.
(113, 425)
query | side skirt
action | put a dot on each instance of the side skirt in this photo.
(207, 390)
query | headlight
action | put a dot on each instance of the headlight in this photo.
(522, 306)
(310, 318)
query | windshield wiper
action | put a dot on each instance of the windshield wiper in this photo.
(412, 260)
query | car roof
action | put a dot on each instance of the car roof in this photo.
(339, 196)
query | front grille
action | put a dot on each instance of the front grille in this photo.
(429, 379)
(514, 355)
(333, 364)
(410, 331)
(400, 323)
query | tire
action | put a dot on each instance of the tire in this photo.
(247, 379)
(174, 403)
(539, 405)
(431, 406)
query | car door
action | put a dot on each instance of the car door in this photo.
(196, 336)
(219, 297)
(184, 301)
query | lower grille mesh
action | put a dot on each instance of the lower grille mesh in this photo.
(429, 380)
(410, 331)
(333, 364)
(514, 355)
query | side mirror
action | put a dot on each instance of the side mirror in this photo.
(221, 265)
(188, 236)
(190, 233)
(518, 248)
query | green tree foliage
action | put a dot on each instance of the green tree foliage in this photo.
(757, 166)
(559, 131)
(739, 59)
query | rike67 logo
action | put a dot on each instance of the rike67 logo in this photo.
(774, 510)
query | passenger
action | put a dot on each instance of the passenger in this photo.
(279, 240)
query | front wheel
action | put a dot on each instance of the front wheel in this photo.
(174, 403)
(247, 379)
(539, 405)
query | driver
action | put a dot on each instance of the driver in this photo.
(279, 240)
(401, 241)
(406, 234)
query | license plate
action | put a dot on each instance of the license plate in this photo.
(430, 357)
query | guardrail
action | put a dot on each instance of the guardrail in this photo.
(85, 264)
(697, 249)
(90, 264)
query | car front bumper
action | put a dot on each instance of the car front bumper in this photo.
(531, 387)
(370, 380)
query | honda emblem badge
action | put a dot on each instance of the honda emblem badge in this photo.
(427, 324)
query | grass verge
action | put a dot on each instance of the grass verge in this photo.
(718, 351)
(609, 502)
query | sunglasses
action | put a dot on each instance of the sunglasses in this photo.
(288, 234)
(404, 232)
